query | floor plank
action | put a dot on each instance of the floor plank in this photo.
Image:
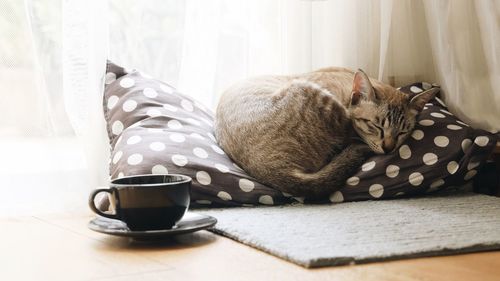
(62, 248)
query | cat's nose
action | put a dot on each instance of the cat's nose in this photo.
(388, 145)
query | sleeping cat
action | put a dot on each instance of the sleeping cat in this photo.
(306, 134)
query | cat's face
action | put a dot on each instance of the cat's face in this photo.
(383, 116)
(384, 127)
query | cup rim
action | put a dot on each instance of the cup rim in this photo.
(185, 179)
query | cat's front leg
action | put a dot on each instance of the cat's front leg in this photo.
(331, 177)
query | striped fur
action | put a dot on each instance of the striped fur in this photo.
(298, 133)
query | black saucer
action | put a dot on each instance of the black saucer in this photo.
(191, 222)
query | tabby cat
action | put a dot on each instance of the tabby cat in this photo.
(306, 134)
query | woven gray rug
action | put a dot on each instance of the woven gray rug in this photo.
(360, 232)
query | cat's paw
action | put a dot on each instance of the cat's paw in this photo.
(362, 149)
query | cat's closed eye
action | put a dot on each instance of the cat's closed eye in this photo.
(377, 129)
(401, 135)
(368, 126)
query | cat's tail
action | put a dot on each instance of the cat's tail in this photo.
(332, 176)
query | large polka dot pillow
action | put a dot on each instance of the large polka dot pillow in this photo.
(442, 152)
(153, 128)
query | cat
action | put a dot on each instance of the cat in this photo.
(306, 134)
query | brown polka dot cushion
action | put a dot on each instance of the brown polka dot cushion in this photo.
(153, 128)
(442, 152)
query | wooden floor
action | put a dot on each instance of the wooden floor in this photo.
(62, 248)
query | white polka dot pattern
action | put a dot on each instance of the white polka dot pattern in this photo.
(217, 149)
(404, 152)
(430, 158)
(266, 200)
(222, 168)
(446, 111)
(440, 101)
(150, 93)
(157, 146)
(368, 166)
(159, 169)
(117, 127)
(246, 185)
(426, 122)
(237, 167)
(212, 137)
(481, 140)
(187, 105)
(415, 89)
(129, 105)
(224, 195)
(426, 86)
(112, 101)
(441, 141)
(127, 82)
(466, 144)
(437, 115)
(170, 107)
(134, 159)
(453, 127)
(110, 78)
(452, 167)
(470, 174)
(376, 190)
(179, 160)
(193, 121)
(417, 134)
(177, 137)
(117, 156)
(203, 178)
(167, 132)
(392, 171)
(416, 179)
(473, 164)
(174, 124)
(336, 197)
(164, 132)
(200, 152)
(435, 185)
(153, 112)
(134, 140)
(353, 181)
(167, 89)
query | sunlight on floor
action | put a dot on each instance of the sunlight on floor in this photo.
(43, 175)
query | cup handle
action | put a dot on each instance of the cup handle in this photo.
(95, 209)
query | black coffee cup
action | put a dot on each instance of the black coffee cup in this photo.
(147, 202)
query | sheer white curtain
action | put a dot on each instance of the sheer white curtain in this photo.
(52, 141)
(465, 45)
(53, 144)
(454, 43)
(202, 46)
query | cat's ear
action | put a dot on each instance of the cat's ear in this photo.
(361, 88)
(418, 101)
